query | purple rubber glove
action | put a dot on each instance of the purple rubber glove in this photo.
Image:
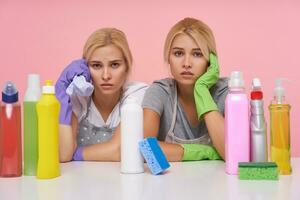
(76, 68)
(77, 156)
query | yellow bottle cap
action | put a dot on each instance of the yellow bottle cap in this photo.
(48, 82)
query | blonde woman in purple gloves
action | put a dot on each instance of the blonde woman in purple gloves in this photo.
(91, 91)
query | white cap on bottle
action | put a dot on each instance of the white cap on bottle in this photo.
(279, 90)
(236, 80)
(256, 84)
(33, 91)
(48, 88)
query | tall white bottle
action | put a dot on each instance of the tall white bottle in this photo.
(131, 133)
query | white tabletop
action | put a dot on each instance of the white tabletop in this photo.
(183, 180)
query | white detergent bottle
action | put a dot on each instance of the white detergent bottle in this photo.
(131, 133)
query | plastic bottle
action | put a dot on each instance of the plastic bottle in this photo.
(48, 120)
(237, 137)
(280, 130)
(10, 133)
(131, 133)
(32, 95)
(258, 128)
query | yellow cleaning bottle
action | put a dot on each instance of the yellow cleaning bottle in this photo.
(280, 130)
(48, 119)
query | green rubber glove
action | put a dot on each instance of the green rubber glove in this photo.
(199, 152)
(203, 99)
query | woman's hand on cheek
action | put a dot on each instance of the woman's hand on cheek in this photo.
(203, 99)
(211, 76)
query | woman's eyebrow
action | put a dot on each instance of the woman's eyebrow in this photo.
(116, 60)
(197, 49)
(94, 61)
(179, 48)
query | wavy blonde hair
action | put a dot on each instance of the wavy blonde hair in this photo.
(108, 36)
(197, 30)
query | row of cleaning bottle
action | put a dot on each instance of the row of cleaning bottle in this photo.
(40, 131)
(246, 138)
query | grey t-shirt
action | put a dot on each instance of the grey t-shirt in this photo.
(160, 97)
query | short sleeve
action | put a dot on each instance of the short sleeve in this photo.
(139, 93)
(219, 93)
(154, 99)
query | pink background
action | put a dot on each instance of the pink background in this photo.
(261, 39)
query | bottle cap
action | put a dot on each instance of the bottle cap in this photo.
(33, 81)
(236, 80)
(256, 84)
(279, 90)
(256, 92)
(10, 93)
(48, 88)
(33, 91)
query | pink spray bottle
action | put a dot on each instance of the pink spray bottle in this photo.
(237, 135)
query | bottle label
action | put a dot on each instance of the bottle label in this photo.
(8, 110)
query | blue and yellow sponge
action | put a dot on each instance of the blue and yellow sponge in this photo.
(154, 156)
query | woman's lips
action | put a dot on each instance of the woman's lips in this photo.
(186, 74)
(106, 86)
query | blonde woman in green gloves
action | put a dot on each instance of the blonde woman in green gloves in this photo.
(186, 112)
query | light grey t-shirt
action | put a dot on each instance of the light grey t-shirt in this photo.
(160, 97)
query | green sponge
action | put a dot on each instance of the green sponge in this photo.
(258, 171)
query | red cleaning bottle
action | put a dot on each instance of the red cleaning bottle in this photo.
(10, 133)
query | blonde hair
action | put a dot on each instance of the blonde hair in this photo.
(108, 36)
(197, 30)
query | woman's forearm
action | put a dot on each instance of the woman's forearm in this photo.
(108, 151)
(67, 143)
(173, 152)
(111, 152)
(216, 128)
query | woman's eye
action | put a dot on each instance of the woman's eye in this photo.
(178, 53)
(96, 66)
(197, 54)
(115, 65)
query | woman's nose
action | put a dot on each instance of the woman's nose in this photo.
(187, 63)
(106, 75)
